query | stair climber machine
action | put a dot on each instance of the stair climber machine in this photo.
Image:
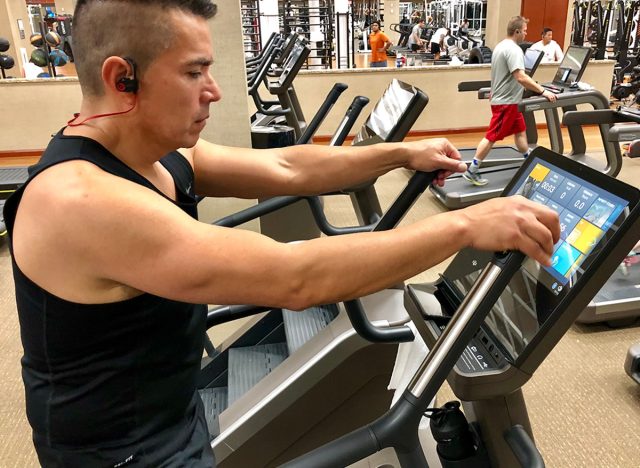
(11, 178)
(490, 321)
(318, 378)
(458, 193)
(390, 121)
(618, 302)
(286, 110)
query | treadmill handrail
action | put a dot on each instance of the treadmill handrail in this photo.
(595, 116)
(465, 86)
(567, 101)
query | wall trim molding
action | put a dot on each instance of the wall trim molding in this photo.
(31, 153)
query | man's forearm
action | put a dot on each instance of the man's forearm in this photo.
(529, 83)
(315, 169)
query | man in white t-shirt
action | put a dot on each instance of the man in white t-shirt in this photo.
(437, 41)
(551, 49)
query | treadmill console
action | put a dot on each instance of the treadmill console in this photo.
(540, 302)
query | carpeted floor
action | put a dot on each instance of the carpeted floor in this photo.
(584, 410)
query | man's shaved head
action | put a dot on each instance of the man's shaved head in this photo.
(139, 29)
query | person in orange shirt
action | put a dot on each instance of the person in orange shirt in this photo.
(379, 43)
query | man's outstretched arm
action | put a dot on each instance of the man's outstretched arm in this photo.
(311, 169)
(99, 234)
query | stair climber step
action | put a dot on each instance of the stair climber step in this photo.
(214, 401)
(248, 365)
(300, 327)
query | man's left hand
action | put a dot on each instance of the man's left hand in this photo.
(437, 154)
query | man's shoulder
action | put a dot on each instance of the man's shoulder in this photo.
(506, 46)
(63, 180)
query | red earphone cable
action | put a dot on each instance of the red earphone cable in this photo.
(71, 123)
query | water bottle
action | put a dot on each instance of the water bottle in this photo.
(451, 431)
(399, 62)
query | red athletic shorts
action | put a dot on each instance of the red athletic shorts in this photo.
(506, 120)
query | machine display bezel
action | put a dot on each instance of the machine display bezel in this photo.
(592, 177)
(566, 66)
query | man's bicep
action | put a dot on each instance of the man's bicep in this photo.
(224, 171)
(145, 242)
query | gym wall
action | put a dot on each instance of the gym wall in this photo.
(447, 109)
(544, 14)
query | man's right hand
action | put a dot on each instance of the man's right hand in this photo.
(551, 97)
(513, 223)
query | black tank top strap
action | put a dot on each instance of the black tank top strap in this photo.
(183, 175)
(181, 171)
(67, 148)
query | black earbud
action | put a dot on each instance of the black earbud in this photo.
(128, 85)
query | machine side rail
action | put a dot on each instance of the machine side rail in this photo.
(262, 67)
(266, 50)
(370, 332)
(416, 185)
(523, 447)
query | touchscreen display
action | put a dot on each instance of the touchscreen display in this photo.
(573, 65)
(589, 215)
(586, 212)
(531, 61)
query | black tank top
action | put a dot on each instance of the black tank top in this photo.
(118, 376)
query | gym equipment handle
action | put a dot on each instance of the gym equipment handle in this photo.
(328, 103)
(276, 203)
(358, 103)
(523, 447)
(228, 313)
(344, 451)
(370, 332)
(416, 185)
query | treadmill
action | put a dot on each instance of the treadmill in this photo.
(490, 321)
(499, 154)
(618, 302)
(11, 178)
(458, 193)
(287, 381)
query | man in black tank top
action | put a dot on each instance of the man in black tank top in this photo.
(111, 265)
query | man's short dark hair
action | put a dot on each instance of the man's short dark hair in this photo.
(127, 28)
(375, 22)
(546, 30)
